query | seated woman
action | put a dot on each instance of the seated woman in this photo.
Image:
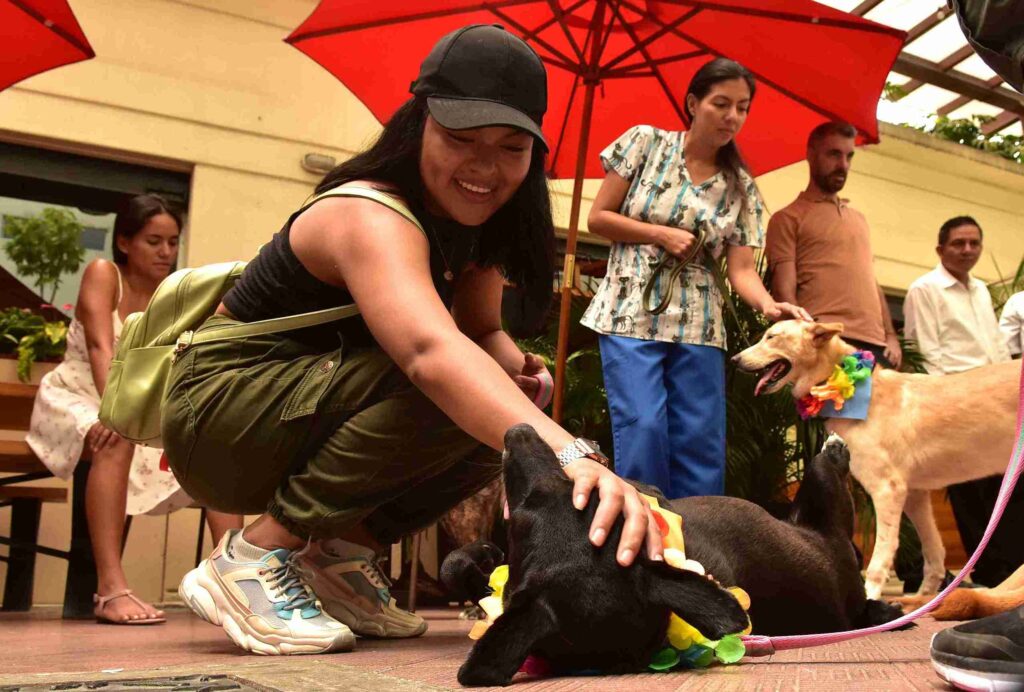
(123, 478)
(365, 430)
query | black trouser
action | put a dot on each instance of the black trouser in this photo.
(972, 506)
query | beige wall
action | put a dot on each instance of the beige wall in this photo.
(209, 87)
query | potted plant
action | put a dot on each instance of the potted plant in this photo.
(27, 341)
(45, 247)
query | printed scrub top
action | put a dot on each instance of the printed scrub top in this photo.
(661, 193)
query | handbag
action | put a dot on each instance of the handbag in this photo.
(995, 30)
(133, 400)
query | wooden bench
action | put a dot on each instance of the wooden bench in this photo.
(21, 466)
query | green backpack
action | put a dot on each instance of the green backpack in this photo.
(133, 400)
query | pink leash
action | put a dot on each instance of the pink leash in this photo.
(758, 645)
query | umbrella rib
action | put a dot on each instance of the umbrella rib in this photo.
(651, 39)
(558, 13)
(637, 69)
(783, 90)
(561, 59)
(565, 119)
(859, 25)
(647, 58)
(54, 27)
(320, 33)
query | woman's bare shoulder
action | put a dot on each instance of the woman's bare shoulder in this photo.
(98, 290)
(351, 215)
(100, 273)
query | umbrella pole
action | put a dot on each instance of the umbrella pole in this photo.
(569, 268)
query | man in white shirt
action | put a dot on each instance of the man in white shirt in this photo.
(1011, 322)
(948, 312)
(950, 315)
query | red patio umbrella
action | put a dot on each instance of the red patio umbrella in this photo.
(36, 36)
(617, 63)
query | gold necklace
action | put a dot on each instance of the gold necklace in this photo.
(449, 275)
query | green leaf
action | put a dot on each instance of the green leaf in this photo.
(666, 659)
(730, 649)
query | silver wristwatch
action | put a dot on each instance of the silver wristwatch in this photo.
(581, 449)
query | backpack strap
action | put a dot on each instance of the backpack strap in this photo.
(389, 201)
(261, 327)
(308, 319)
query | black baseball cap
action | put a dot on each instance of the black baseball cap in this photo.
(481, 76)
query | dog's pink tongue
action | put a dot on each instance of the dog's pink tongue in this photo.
(769, 374)
(505, 512)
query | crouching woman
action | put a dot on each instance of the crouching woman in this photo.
(351, 435)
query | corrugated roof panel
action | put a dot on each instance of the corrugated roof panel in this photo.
(842, 5)
(904, 14)
(1016, 130)
(975, 108)
(940, 42)
(976, 67)
(927, 99)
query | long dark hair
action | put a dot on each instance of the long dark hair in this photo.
(134, 216)
(518, 238)
(728, 157)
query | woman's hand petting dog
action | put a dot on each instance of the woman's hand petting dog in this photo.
(776, 311)
(617, 497)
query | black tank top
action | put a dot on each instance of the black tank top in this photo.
(275, 283)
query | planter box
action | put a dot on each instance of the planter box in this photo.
(9, 370)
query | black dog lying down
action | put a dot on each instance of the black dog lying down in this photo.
(573, 605)
(802, 574)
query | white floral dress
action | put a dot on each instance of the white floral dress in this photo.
(66, 407)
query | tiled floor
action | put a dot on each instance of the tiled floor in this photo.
(40, 648)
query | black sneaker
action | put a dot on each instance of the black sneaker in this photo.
(986, 654)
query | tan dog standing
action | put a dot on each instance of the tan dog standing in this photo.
(922, 432)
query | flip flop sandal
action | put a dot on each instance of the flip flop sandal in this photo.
(101, 603)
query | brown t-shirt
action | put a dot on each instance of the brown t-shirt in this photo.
(835, 278)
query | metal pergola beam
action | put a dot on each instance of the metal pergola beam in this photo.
(961, 100)
(1001, 121)
(964, 84)
(946, 64)
(865, 7)
(928, 23)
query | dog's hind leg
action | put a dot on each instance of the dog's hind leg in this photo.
(888, 499)
(918, 508)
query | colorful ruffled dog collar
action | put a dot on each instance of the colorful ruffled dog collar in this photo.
(846, 393)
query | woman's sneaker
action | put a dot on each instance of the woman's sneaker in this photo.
(261, 601)
(986, 654)
(352, 588)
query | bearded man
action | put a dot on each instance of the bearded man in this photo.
(819, 250)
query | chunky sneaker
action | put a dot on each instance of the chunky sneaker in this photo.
(352, 588)
(261, 601)
(986, 654)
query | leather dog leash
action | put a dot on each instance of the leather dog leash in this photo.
(675, 266)
(758, 645)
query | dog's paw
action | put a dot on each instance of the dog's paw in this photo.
(481, 676)
(472, 612)
(879, 613)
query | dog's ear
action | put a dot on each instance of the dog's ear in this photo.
(696, 599)
(499, 654)
(822, 332)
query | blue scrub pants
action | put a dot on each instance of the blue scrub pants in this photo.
(667, 404)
